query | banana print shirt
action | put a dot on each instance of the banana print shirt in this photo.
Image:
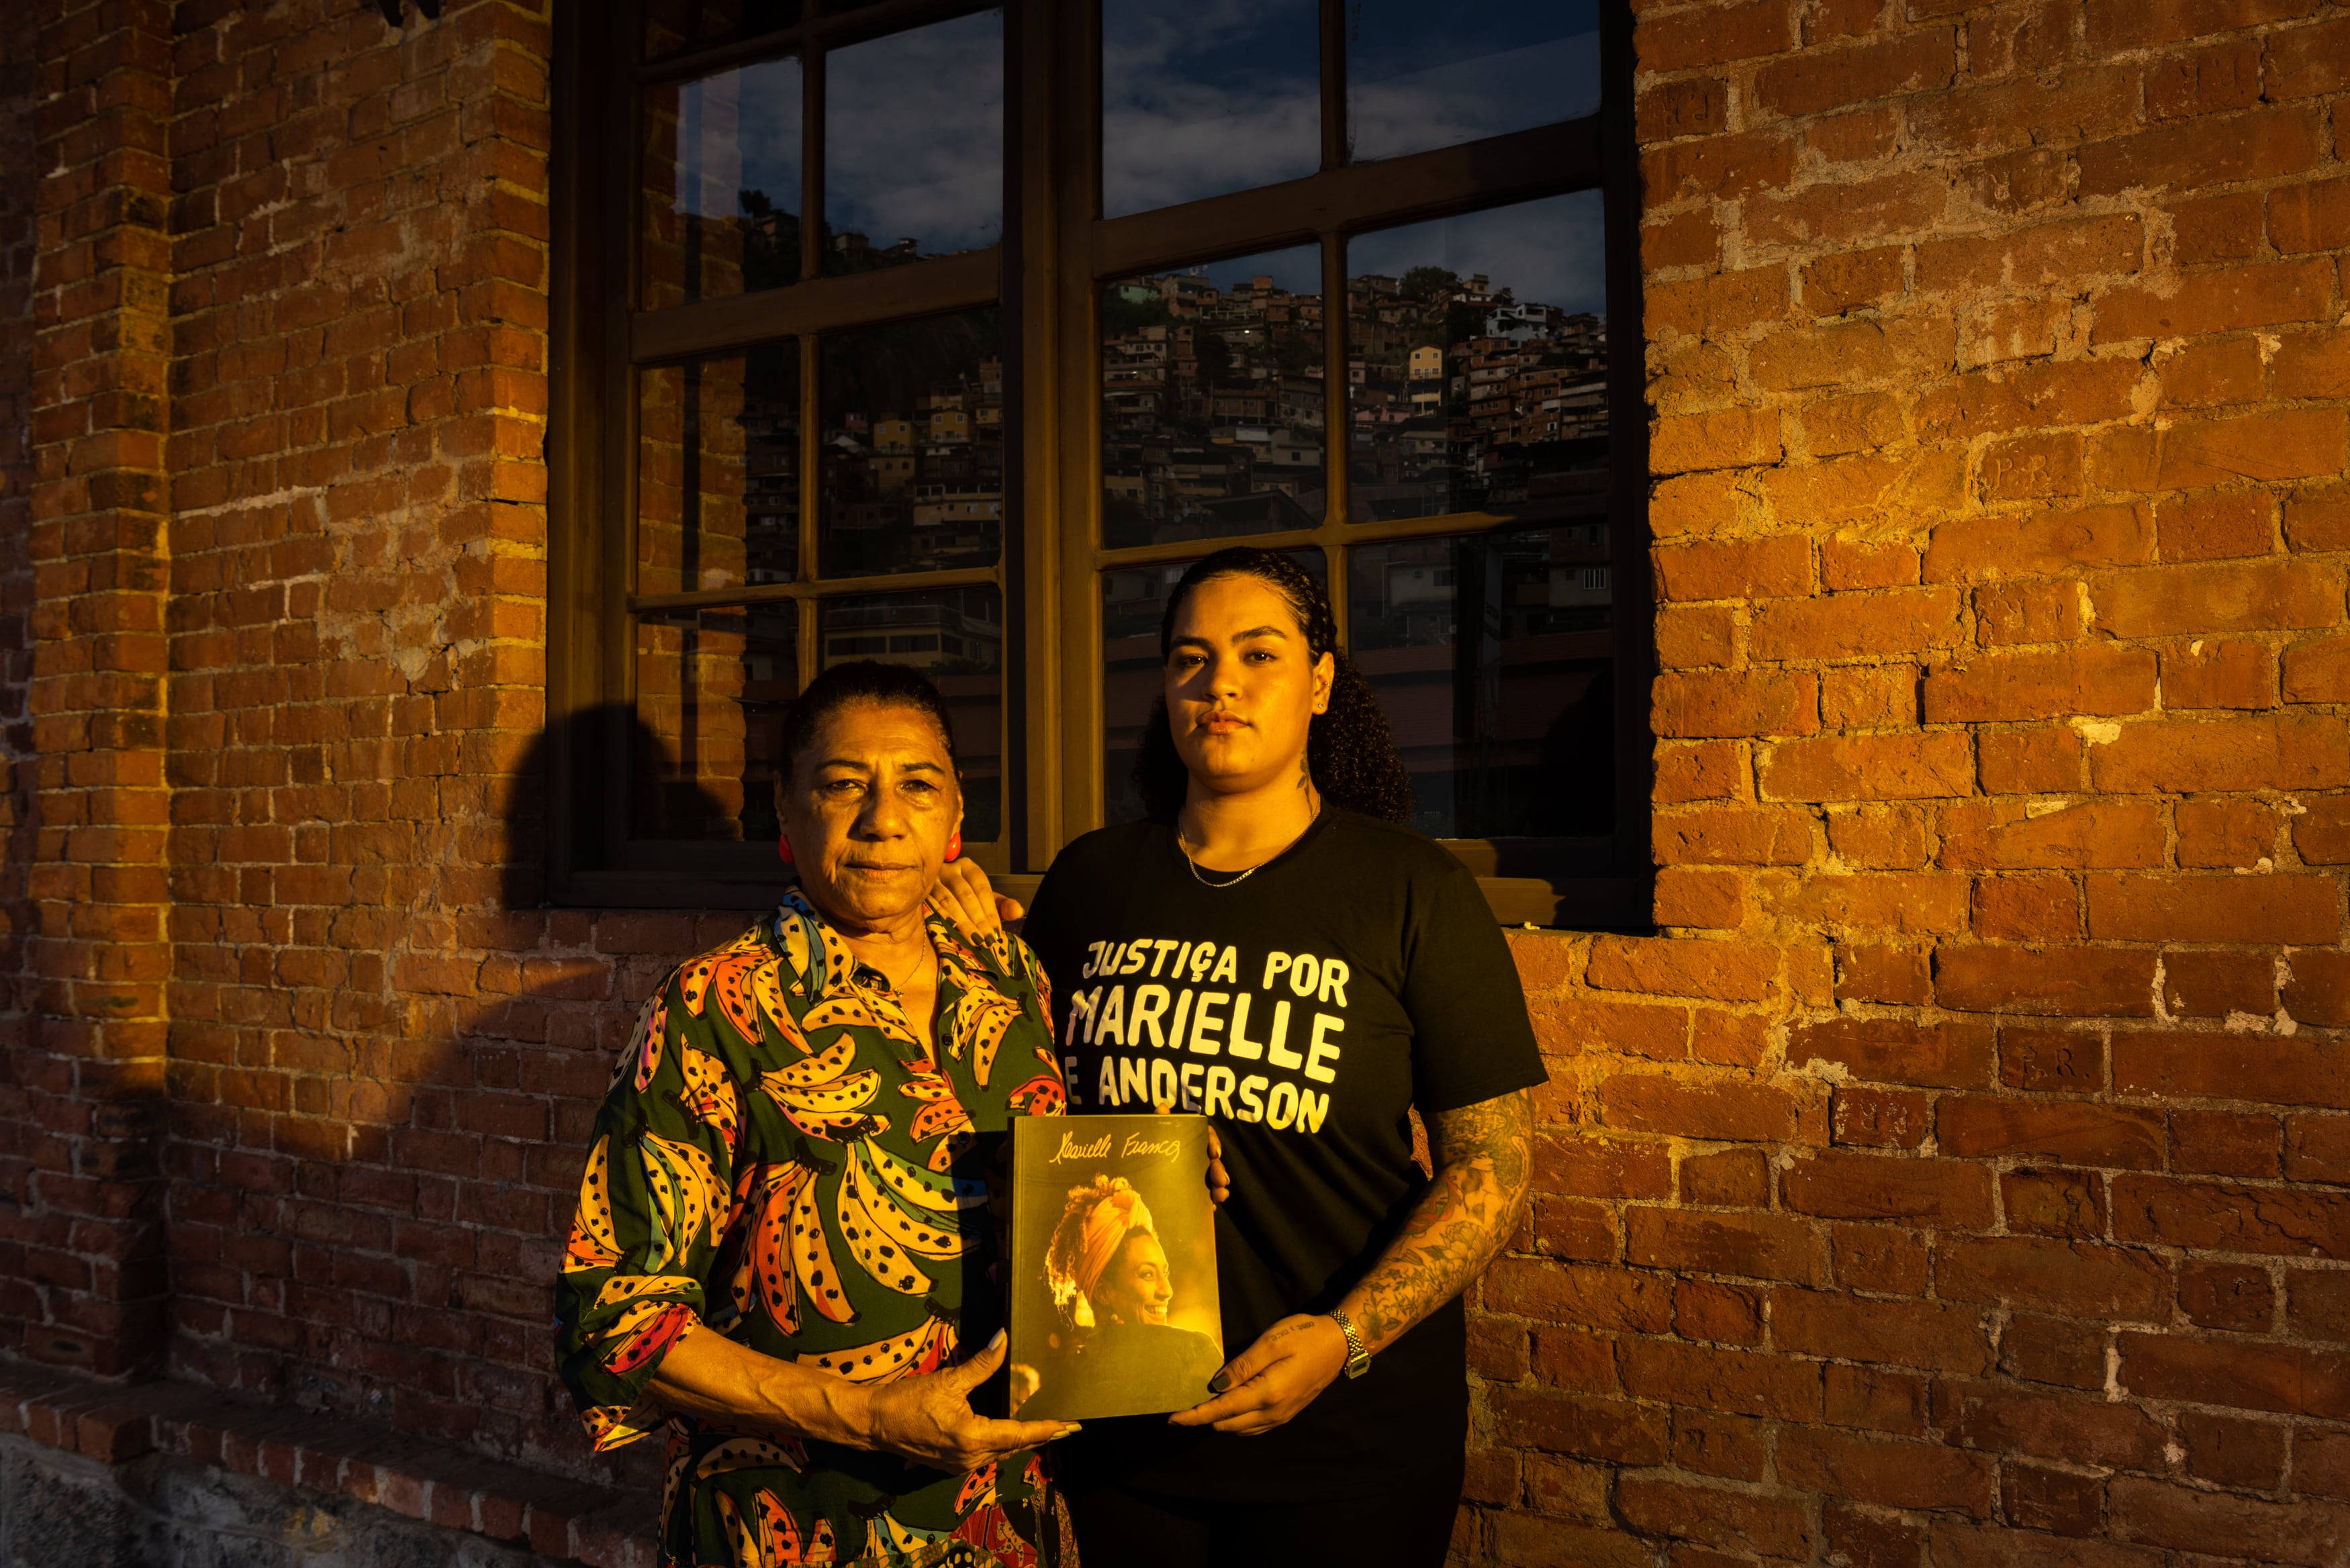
(780, 1158)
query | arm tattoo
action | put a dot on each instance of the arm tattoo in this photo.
(1482, 1157)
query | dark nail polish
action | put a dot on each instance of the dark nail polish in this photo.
(1218, 1384)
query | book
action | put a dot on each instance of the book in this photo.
(1113, 1305)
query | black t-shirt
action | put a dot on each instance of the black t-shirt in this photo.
(1306, 1009)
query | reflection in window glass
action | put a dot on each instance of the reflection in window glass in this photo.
(954, 635)
(718, 466)
(913, 159)
(1212, 400)
(712, 687)
(1477, 355)
(1421, 75)
(912, 440)
(672, 27)
(1199, 100)
(722, 184)
(1492, 656)
(1134, 603)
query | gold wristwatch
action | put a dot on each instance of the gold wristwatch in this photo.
(1358, 1360)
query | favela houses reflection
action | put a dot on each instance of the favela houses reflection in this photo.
(1460, 396)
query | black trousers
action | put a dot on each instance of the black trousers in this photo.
(1409, 1525)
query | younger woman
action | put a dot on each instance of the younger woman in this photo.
(1272, 946)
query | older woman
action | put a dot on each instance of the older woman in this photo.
(780, 1248)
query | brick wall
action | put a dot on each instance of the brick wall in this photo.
(1960, 1179)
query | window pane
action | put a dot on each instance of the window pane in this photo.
(913, 446)
(1421, 75)
(672, 27)
(712, 687)
(1478, 358)
(913, 160)
(1492, 656)
(954, 635)
(1196, 101)
(1134, 603)
(718, 465)
(722, 184)
(1212, 400)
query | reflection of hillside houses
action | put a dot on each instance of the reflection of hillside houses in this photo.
(924, 489)
(926, 633)
(1462, 396)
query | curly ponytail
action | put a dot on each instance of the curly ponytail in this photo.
(1349, 750)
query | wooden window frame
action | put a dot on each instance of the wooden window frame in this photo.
(1045, 278)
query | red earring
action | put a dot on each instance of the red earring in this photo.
(784, 849)
(954, 844)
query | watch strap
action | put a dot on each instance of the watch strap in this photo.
(1358, 1360)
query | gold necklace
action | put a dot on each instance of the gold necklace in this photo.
(1253, 870)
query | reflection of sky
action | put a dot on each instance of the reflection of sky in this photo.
(1223, 96)
(744, 126)
(1421, 75)
(1197, 101)
(914, 135)
(1547, 252)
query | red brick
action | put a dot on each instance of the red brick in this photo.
(1841, 1185)
(2293, 752)
(2199, 153)
(1875, 767)
(1693, 705)
(1924, 1335)
(2288, 444)
(1731, 438)
(1878, 1118)
(2213, 1216)
(1730, 971)
(1887, 1050)
(2319, 990)
(2277, 908)
(1609, 1429)
(2318, 671)
(2305, 61)
(2227, 1295)
(1727, 1109)
(1749, 1246)
(2003, 1418)
(2007, 836)
(2053, 1202)
(2313, 1534)
(1732, 1179)
(2181, 1065)
(1716, 1515)
(1887, 1472)
(1731, 836)
(1815, 79)
(1723, 168)
(1606, 1299)
(2223, 1143)
(2103, 681)
(1959, 1545)
(2052, 542)
(2030, 761)
(2225, 833)
(1714, 37)
(2322, 832)
(2064, 983)
(1759, 568)
(1898, 975)
(1729, 1380)
(2077, 1278)
(2217, 301)
(2219, 673)
(2073, 1131)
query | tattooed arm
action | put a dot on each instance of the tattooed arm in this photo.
(1483, 1160)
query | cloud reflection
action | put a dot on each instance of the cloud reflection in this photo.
(914, 136)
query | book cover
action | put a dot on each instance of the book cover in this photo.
(1113, 1298)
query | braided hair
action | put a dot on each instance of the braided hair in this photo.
(1349, 750)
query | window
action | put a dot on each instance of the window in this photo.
(948, 334)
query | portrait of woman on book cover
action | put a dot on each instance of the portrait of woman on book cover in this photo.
(1113, 1288)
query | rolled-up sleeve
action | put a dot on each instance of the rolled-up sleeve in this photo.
(654, 1200)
